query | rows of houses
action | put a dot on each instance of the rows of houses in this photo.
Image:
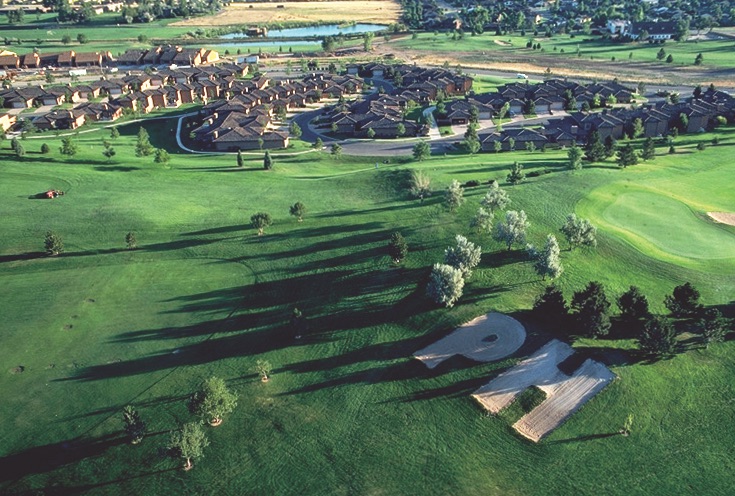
(141, 93)
(245, 120)
(168, 55)
(383, 116)
(69, 58)
(160, 55)
(657, 120)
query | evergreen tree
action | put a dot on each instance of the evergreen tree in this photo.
(595, 149)
(131, 240)
(267, 161)
(516, 174)
(114, 133)
(574, 155)
(627, 156)
(592, 306)
(68, 147)
(53, 243)
(551, 307)
(633, 305)
(240, 159)
(397, 247)
(143, 146)
(684, 301)
(162, 156)
(649, 149)
(713, 326)
(134, 426)
(658, 337)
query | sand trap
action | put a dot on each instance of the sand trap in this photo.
(723, 217)
(502, 43)
(540, 369)
(563, 399)
(564, 394)
(484, 339)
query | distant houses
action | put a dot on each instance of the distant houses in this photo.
(161, 55)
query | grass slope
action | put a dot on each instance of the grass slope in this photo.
(346, 411)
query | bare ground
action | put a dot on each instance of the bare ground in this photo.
(632, 72)
(338, 11)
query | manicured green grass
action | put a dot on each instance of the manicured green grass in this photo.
(346, 410)
(716, 53)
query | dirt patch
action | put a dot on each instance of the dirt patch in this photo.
(485, 339)
(339, 11)
(502, 43)
(723, 217)
(68, 327)
(17, 370)
(50, 366)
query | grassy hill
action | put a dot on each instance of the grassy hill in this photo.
(347, 411)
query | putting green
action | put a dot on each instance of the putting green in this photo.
(649, 218)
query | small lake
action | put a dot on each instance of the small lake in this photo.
(327, 30)
(257, 44)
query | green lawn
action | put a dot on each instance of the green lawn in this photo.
(346, 411)
(717, 53)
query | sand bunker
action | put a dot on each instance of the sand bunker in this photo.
(723, 217)
(484, 339)
(564, 394)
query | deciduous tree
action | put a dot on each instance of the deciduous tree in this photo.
(496, 198)
(482, 222)
(547, 262)
(454, 196)
(579, 232)
(445, 285)
(188, 443)
(298, 210)
(421, 151)
(213, 400)
(260, 221)
(465, 256)
(513, 229)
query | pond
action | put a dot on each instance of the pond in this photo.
(319, 31)
(264, 44)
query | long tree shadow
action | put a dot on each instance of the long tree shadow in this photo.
(50, 457)
(258, 318)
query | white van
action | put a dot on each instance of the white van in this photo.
(520, 75)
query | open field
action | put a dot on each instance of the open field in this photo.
(339, 11)
(347, 410)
